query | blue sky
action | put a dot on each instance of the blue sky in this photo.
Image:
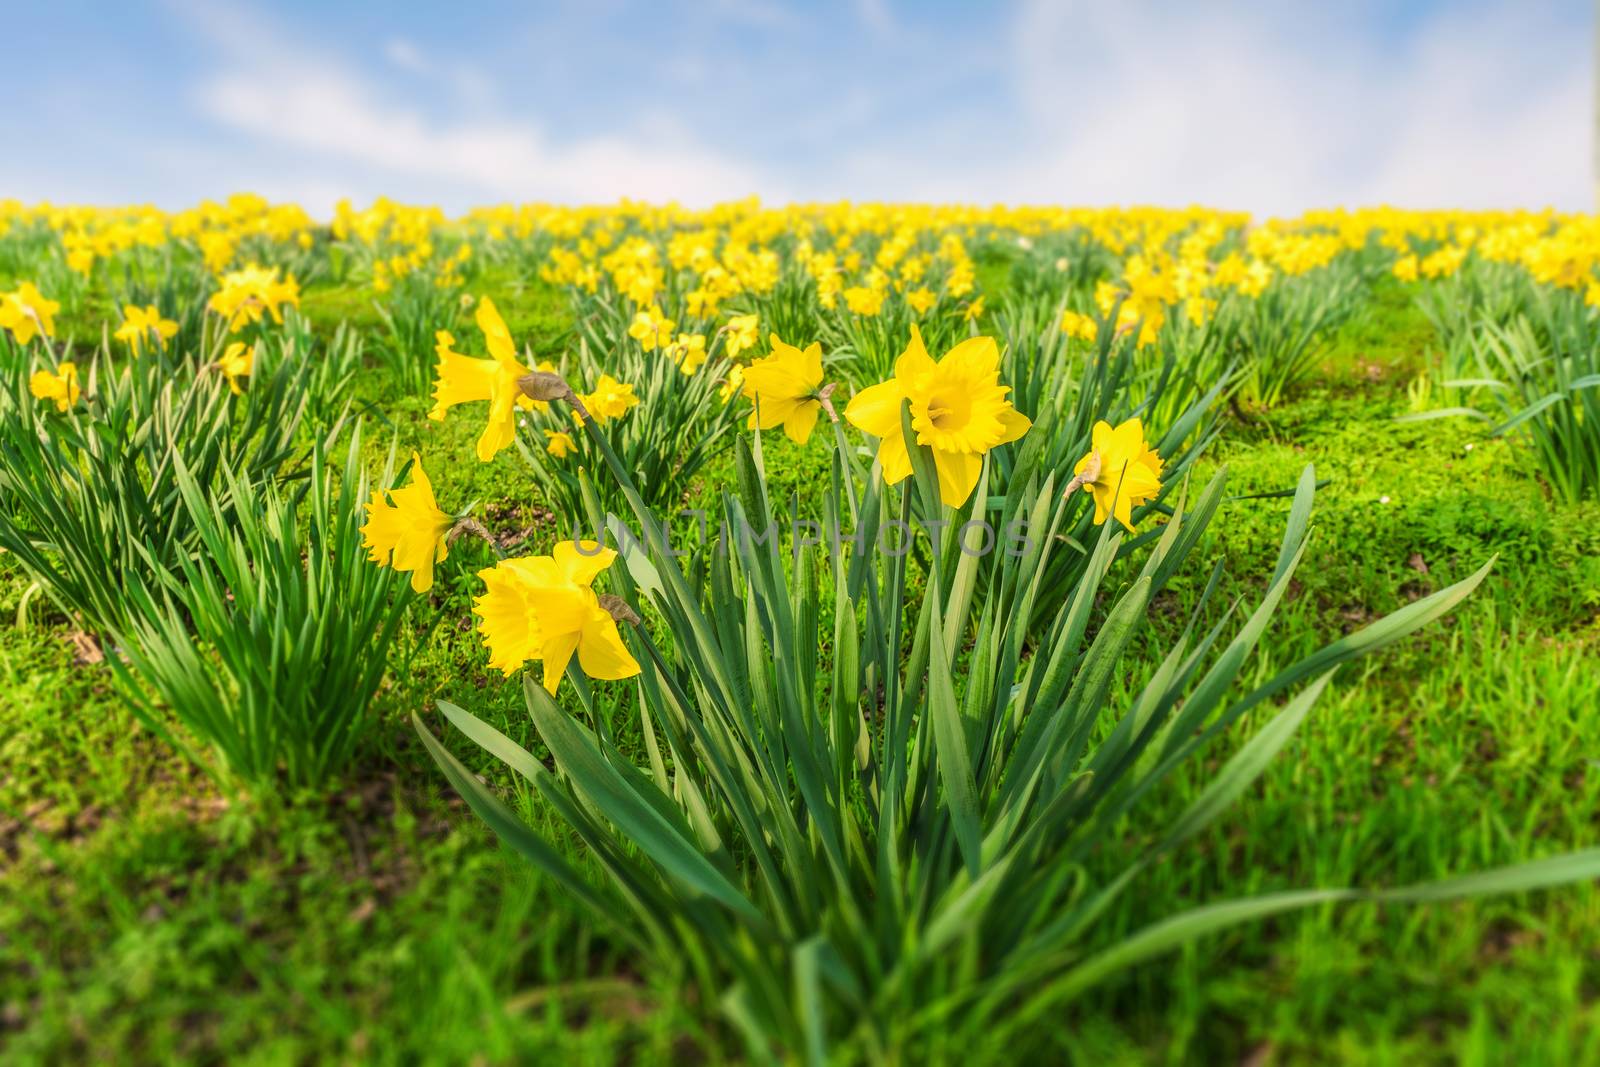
(1271, 107)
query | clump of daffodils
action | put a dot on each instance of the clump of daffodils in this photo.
(545, 608)
(958, 409)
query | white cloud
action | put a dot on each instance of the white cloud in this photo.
(1277, 112)
(1271, 108)
(281, 93)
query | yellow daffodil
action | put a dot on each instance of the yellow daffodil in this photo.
(1079, 326)
(863, 301)
(958, 409)
(741, 334)
(409, 531)
(26, 313)
(140, 324)
(733, 385)
(920, 300)
(463, 379)
(688, 352)
(651, 328)
(62, 386)
(974, 310)
(1406, 268)
(248, 293)
(545, 608)
(1129, 471)
(784, 387)
(237, 361)
(610, 399)
(561, 445)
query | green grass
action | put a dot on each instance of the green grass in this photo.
(147, 917)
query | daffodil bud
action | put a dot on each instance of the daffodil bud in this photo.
(544, 386)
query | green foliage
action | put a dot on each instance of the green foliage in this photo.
(93, 503)
(885, 849)
(679, 424)
(269, 641)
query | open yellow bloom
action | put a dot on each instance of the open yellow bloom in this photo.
(958, 409)
(611, 399)
(26, 313)
(1130, 471)
(651, 328)
(863, 300)
(742, 333)
(138, 324)
(688, 352)
(238, 359)
(561, 445)
(460, 379)
(408, 532)
(784, 388)
(544, 608)
(62, 386)
(1078, 326)
(247, 293)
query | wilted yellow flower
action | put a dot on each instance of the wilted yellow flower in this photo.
(784, 388)
(611, 399)
(544, 608)
(1129, 470)
(26, 313)
(237, 361)
(561, 445)
(740, 334)
(62, 386)
(460, 379)
(409, 532)
(958, 409)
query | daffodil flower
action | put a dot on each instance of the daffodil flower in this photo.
(559, 443)
(139, 324)
(26, 313)
(1129, 471)
(784, 387)
(237, 361)
(545, 608)
(958, 409)
(460, 379)
(61, 387)
(610, 399)
(408, 532)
